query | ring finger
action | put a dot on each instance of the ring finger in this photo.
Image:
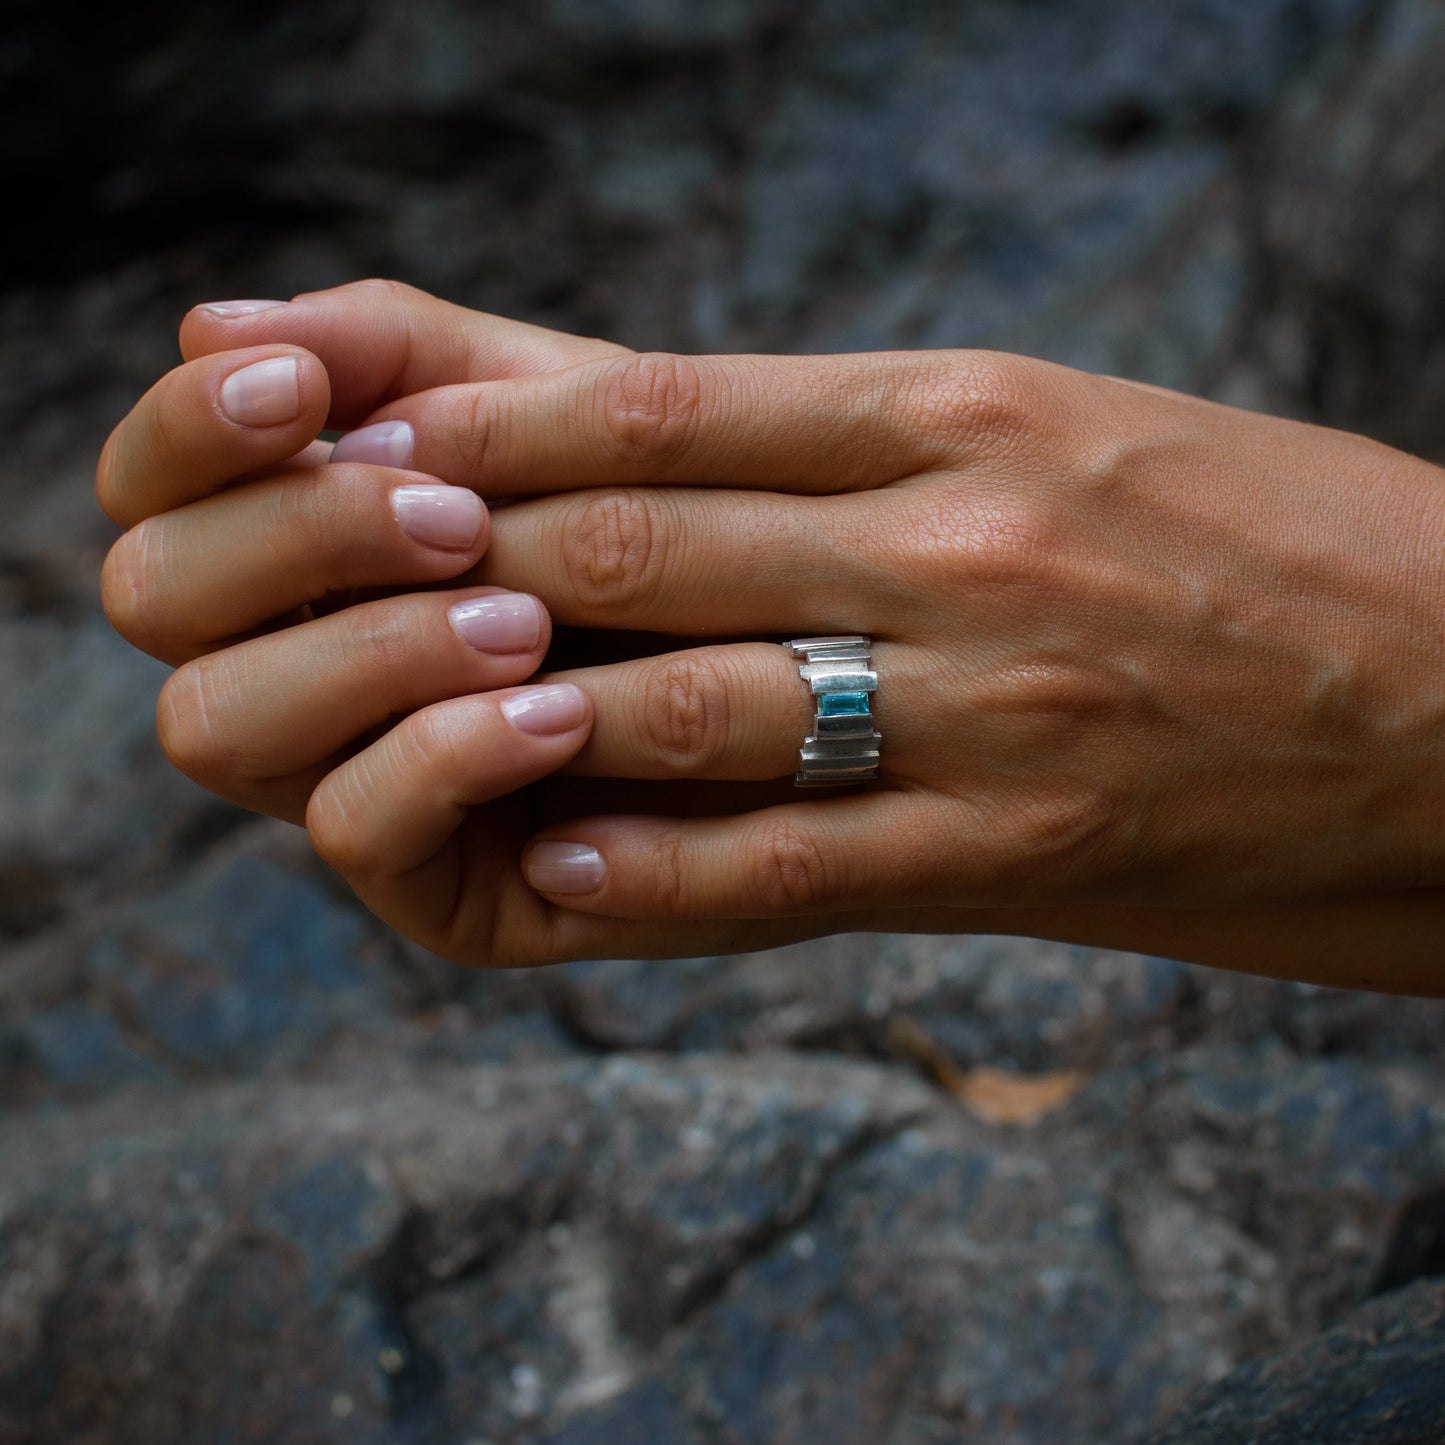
(733, 713)
(259, 721)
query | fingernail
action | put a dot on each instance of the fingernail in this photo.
(565, 868)
(239, 308)
(557, 707)
(266, 393)
(505, 622)
(384, 443)
(448, 517)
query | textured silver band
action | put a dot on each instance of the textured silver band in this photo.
(843, 747)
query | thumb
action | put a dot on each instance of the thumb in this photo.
(380, 340)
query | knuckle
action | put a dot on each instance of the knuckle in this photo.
(652, 405)
(475, 436)
(435, 734)
(684, 713)
(331, 824)
(964, 543)
(132, 587)
(105, 477)
(503, 948)
(341, 815)
(971, 401)
(342, 820)
(790, 873)
(1009, 547)
(187, 714)
(668, 875)
(165, 436)
(386, 287)
(611, 549)
(378, 639)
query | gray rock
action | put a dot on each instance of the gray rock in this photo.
(1018, 1002)
(238, 968)
(1345, 238)
(763, 1248)
(85, 793)
(1376, 1376)
(1021, 1003)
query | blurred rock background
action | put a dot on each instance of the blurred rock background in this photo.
(268, 1174)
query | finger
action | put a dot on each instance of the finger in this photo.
(393, 806)
(425, 826)
(419, 826)
(254, 722)
(207, 423)
(180, 583)
(390, 820)
(381, 339)
(740, 712)
(735, 712)
(690, 561)
(857, 852)
(809, 424)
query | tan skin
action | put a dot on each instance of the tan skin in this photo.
(1156, 673)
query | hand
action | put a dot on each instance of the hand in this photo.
(969, 518)
(1135, 647)
(240, 528)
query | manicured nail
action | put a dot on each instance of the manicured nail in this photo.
(384, 443)
(239, 308)
(446, 517)
(266, 393)
(565, 868)
(557, 707)
(504, 622)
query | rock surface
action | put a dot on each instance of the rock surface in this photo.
(268, 1174)
(1376, 1376)
(764, 1248)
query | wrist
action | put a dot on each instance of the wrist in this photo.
(1414, 728)
(1389, 942)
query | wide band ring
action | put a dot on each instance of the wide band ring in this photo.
(843, 746)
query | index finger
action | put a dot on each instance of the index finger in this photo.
(802, 424)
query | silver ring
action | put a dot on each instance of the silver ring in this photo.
(843, 747)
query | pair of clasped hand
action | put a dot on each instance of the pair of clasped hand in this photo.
(1153, 673)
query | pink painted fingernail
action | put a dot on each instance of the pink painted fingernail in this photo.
(266, 393)
(239, 308)
(383, 443)
(557, 707)
(439, 516)
(565, 868)
(504, 622)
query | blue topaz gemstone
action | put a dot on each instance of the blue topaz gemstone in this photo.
(843, 747)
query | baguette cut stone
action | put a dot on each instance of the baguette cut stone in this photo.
(843, 704)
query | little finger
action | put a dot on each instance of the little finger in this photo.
(843, 854)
